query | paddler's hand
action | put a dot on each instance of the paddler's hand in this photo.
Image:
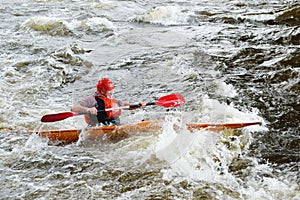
(143, 104)
(138, 105)
(92, 110)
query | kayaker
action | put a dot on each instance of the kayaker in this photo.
(101, 100)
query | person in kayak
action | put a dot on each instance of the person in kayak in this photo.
(101, 100)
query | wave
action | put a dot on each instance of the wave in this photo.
(61, 27)
(163, 15)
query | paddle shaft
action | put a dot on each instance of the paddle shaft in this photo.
(61, 116)
(119, 108)
(171, 100)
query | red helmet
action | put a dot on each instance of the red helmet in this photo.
(105, 84)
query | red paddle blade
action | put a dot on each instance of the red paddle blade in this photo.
(171, 100)
(57, 116)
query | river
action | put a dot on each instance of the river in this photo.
(233, 61)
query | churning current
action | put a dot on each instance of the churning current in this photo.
(233, 61)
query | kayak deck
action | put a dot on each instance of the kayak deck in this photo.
(117, 132)
(112, 132)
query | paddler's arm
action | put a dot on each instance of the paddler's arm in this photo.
(86, 105)
(79, 108)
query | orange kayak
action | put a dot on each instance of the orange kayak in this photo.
(117, 132)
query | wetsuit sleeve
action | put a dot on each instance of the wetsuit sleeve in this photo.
(88, 102)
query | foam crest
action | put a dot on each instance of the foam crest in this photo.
(94, 23)
(211, 110)
(62, 27)
(52, 25)
(164, 15)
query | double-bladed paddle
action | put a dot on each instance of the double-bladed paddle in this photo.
(170, 100)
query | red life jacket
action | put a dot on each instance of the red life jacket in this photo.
(104, 117)
(111, 103)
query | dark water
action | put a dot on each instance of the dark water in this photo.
(232, 60)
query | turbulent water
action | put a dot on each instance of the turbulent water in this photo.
(234, 61)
